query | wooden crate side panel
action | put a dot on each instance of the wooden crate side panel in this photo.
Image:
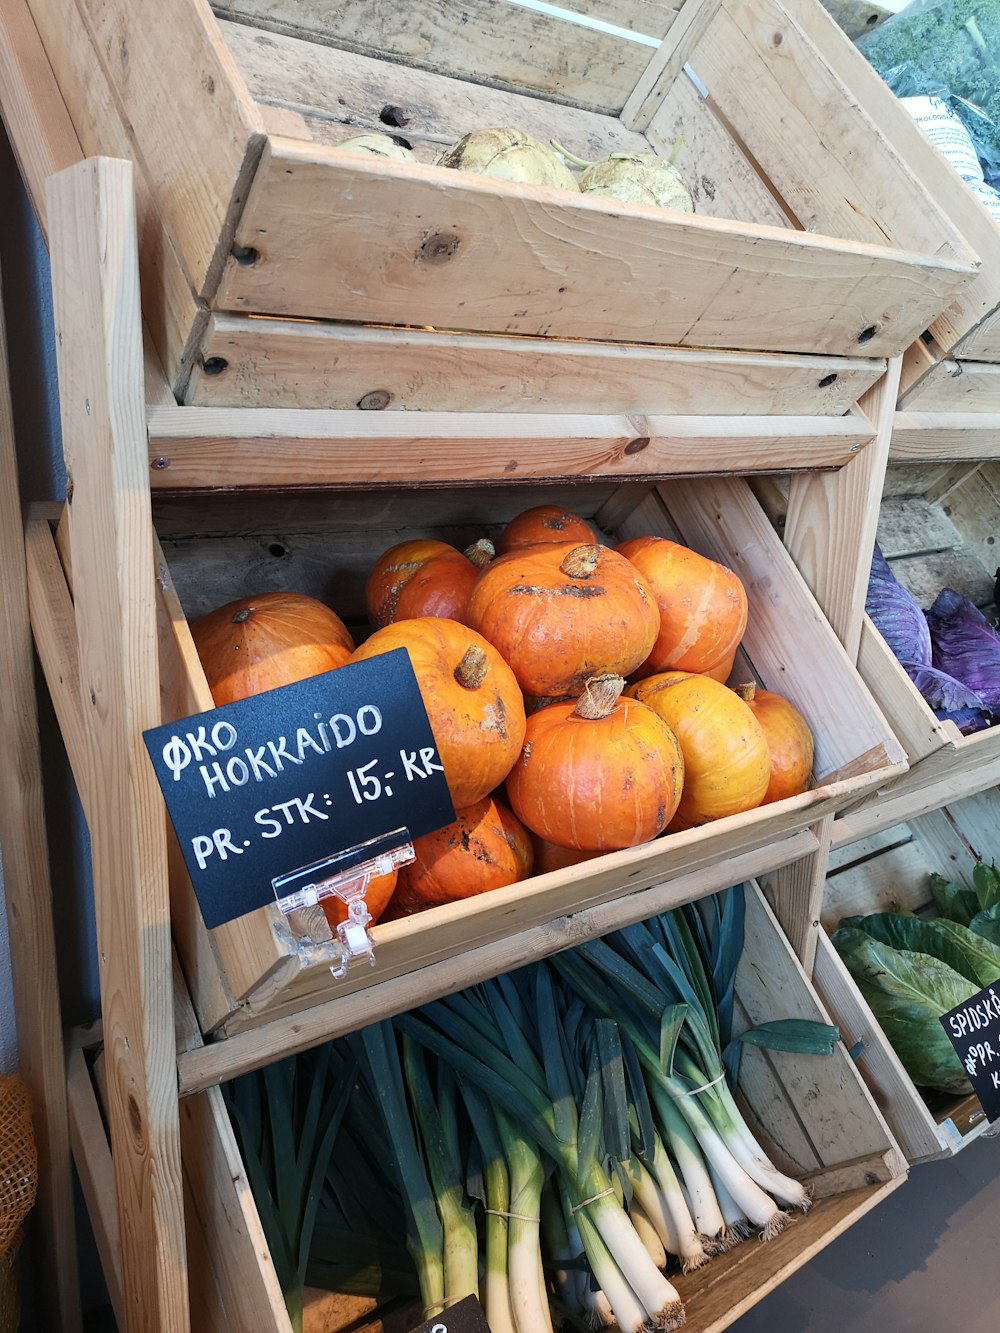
(787, 633)
(974, 508)
(500, 44)
(721, 178)
(257, 363)
(912, 721)
(170, 307)
(171, 78)
(461, 245)
(338, 94)
(975, 821)
(830, 162)
(956, 386)
(209, 448)
(878, 1064)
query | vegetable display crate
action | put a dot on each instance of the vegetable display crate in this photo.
(253, 969)
(938, 527)
(813, 1115)
(877, 873)
(279, 269)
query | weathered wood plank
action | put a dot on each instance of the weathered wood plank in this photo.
(504, 45)
(28, 892)
(674, 52)
(956, 386)
(909, 525)
(493, 256)
(919, 436)
(273, 363)
(856, 17)
(95, 286)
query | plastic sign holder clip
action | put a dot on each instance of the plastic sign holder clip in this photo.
(345, 875)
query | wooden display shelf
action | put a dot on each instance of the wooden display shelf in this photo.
(813, 238)
(878, 871)
(813, 1115)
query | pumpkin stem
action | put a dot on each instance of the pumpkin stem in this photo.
(481, 552)
(244, 613)
(471, 671)
(581, 562)
(746, 691)
(600, 694)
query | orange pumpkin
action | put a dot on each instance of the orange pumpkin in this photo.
(258, 643)
(788, 738)
(598, 773)
(485, 848)
(545, 525)
(474, 705)
(423, 578)
(727, 764)
(703, 608)
(378, 891)
(561, 614)
(550, 856)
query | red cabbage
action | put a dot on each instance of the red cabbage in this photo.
(899, 619)
(966, 646)
(968, 720)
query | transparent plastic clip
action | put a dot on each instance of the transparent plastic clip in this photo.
(345, 876)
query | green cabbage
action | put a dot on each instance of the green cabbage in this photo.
(972, 956)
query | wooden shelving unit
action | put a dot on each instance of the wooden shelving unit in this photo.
(131, 449)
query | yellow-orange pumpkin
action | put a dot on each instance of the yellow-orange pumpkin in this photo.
(561, 614)
(545, 525)
(378, 891)
(423, 578)
(258, 643)
(789, 741)
(550, 856)
(727, 764)
(598, 773)
(485, 848)
(703, 608)
(474, 705)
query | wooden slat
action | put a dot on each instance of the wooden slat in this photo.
(38, 125)
(506, 258)
(676, 49)
(501, 44)
(217, 447)
(795, 893)
(722, 180)
(336, 94)
(28, 892)
(195, 134)
(974, 507)
(171, 309)
(201, 1067)
(896, 880)
(856, 17)
(95, 286)
(92, 1156)
(281, 364)
(956, 387)
(921, 159)
(832, 520)
(918, 730)
(910, 525)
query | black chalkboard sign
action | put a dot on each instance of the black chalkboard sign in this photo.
(465, 1316)
(258, 788)
(974, 1031)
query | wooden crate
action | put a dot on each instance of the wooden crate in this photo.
(876, 872)
(938, 528)
(816, 1108)
(268, 255)
(253, 970)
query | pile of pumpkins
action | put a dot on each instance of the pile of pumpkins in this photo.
(577, 695)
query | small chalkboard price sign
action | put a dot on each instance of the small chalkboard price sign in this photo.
(465, 1316)
(974, 1031)
(259, 788)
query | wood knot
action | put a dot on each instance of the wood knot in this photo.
(637, 445)
(376, 400)
(134, 1115)
(438, 247)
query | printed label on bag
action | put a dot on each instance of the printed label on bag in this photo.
(464, 1317)
(947, 133)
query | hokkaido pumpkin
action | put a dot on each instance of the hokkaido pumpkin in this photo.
(598, 773)
(473, 703)
(485, 848)
(378, 891)
(561, 614)
(789, 741)
(727, 764)
(258, 643)
(703, 608)
(423, 578)
(545, 525)
(550, 856)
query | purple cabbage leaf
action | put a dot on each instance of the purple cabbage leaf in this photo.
(968, 720)
(965, 645)
(897, 616)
